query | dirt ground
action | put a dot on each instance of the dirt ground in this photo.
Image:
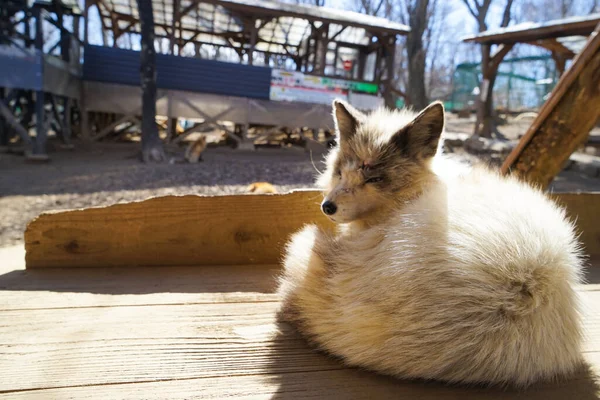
(109, 173)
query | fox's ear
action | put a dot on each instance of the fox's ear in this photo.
(347, 119)
(420, 138)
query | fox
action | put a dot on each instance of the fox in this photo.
(193, 152)
(436, 270)
(261, 188)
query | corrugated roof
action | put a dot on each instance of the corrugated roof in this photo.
(529, 31)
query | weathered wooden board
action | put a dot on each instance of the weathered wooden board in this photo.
(343, 384)
(210, 349)
(52, 288)
(564, 121)
(584, 209)
(194, 230)
(172, 230)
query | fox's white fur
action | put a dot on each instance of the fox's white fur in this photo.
(468, 278)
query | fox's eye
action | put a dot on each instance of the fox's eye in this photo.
(374, 180)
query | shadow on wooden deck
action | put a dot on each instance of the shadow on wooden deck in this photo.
(138, 280)
(306, 373)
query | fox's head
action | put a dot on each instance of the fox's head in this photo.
(381, 160)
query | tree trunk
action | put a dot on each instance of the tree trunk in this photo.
(152, 147)
(416, 55)
(485, 124)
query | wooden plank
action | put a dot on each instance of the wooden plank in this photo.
(212, 346)
(336, 384)
(186, 230)
(124, 287)
(193, 230)
(583, 209)
(563, 123)
(104, 287)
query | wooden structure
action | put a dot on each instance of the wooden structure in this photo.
(39, 82)
(199, 323)
(564, 122)
(555, 36)
(262, 63)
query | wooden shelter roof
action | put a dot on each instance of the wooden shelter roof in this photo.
(533, 31)
(220, 22)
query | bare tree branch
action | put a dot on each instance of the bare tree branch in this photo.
(376, 10)
(506, 16)
(471, 9)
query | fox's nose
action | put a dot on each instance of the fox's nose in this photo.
(329, 207)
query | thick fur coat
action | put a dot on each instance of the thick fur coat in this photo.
(437, 271)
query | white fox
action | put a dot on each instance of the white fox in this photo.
(436, 272)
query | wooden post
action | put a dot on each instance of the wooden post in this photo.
(377, 68)
(390, 50)
(27, 29)
(85, 121)
(362, 60)
(174, 27)
(563, 123)
(324, 48)
(86, 6)
(560, 61)
(38, 151)
(76, 23)
(66, 125)
(152, 147)
(4, 128)
(253, 40)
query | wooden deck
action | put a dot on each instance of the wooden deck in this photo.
(207, 330)
(185, 332)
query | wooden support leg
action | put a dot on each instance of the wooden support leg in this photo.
(4, 128)
(13, 123)
(4, 132)
(66, 123)
(171, 129)
(38, 151)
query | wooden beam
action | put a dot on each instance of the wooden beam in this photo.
(554, 46)
(14, 123)
(499, 55)
(208, 120)
(204, 231)
(109, 128)
(172, 230)
(565, 29)
(121, 31)
(563, 123)
(560, 61)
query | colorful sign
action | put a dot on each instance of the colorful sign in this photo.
(296, 86)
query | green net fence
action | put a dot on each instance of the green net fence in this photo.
(522, 84)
